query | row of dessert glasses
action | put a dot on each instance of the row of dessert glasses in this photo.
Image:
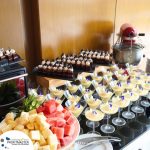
(125, 92)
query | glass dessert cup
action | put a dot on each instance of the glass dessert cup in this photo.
(118, 89)
(122, 77)
(108, 109)
(145, 102)
(132, 96)
(86, 83)
(72, 88)
(105, 96)
(129, 85)
(56, 92)
(93, 102)
(93, 116)
(85, 91)
(120, 102)
(137, 108)
(98, 79)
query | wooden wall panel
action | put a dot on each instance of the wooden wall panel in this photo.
(11, 27)
(70, 25)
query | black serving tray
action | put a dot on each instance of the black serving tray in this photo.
(78, 71)
(56, 76)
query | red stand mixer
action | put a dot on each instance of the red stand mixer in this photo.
(127, 49)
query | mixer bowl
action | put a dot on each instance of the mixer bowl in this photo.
(123, 54)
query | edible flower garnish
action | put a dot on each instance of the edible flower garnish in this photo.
(77, 105)
(122, 97)
(110, 105)
(94, 112)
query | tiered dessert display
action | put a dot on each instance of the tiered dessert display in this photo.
(13, 80)
(55, 69)
(98, 56)
(10, 55)
(78, 62)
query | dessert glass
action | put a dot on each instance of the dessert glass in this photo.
(93, 115)
(108, 109)
(120, 102)
(132, 96)
(93, 103)
(141, 92)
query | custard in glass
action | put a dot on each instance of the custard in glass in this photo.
(93, 102)
(94, 115)
(108, 108)
(76, 109)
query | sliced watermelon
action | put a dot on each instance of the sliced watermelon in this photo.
(59, 114)
(60, 122)
(50, 107)
(51, 122)
(64, 110)
(56, 122)
(40, 109)
(48, 115)
(60, 108)
(58, 131)
(69, 129)
(71, 120)
(66, 140)
(67, 115)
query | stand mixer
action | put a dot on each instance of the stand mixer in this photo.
(127, 49)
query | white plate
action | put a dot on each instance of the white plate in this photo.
(101, 146)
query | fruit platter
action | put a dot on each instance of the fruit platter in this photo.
(48, 124)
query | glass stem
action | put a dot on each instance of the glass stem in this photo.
(107, 119)
(129, 107)
(119, 112)
(93, 126)
(138, 101)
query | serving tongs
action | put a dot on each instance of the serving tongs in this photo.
(95, 139)
(89, 141)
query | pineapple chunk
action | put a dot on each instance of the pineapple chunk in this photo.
(42, 140)
(43, 125)
(36, 126)
(25, 115)
(52, 141)
(32, 112)
(1, 132)
(40, 117)
(21, 121)
(10, 116)
(11, 122)
(32, 118)
(3, 124)
(30, 126)
(46, 147)
(19, 127)
(7, 128)
(46, 133)
(36, 145)
(35, 135)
